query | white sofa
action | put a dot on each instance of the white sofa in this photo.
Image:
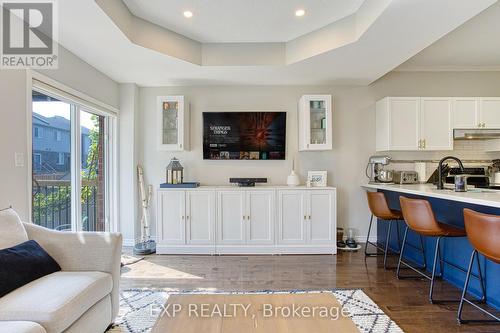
(82, 297)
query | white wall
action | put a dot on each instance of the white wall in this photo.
(72, 72)
(353, 138)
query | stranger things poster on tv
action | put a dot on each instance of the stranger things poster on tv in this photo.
(244, 135)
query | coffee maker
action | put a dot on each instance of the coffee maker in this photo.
(374, 169)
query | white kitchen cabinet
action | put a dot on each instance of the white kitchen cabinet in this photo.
(489, 112)
(315, 122)
(414, 123)
(436, 131)
(187, 220)
(466, 112)
(321, 214)
(260, 208)
(231, 217)
(172, 123)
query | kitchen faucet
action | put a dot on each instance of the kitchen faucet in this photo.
(440, 184)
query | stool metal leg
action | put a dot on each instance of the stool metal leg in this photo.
(385, 250)
(387, 244)
(436, 253)
(401, 252)
(402, 262)
(368, 239)
(464, 294)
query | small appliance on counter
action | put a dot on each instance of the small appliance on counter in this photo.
(375, 169)
(405, 177)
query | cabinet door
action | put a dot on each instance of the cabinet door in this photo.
(171, 118)
(200, 215)
(260, 217)
(231, 217)
(465, 112)
(321, 217)
(171, 219)
(435, 123)
(291, 217)
(489, 112)
(316, 122)
(404, 118)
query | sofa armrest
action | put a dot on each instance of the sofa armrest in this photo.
(83, 251)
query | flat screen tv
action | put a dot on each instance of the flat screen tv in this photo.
(244, 135)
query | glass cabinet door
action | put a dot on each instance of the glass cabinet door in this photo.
(170, 122)
(317, 122)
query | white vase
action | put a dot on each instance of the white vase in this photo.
(293, 179)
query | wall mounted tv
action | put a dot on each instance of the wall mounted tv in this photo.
(244, 135)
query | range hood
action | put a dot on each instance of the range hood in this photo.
(476, 134)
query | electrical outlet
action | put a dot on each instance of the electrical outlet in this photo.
(19, 160)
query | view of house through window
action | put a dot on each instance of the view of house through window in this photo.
(54, 183)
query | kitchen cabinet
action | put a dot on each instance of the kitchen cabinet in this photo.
(466, 112)
(259, 220)
(436, 131)
(172, 123)
(414, 123)
(187, 221)
(489, 112)
(315, 122)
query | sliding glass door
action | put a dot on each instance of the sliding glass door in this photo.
(69, 165)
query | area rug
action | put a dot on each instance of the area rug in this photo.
(137, 316)
(129, 260)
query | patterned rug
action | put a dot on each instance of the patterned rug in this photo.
(135, 309)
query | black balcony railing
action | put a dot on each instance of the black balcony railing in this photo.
(52, 205)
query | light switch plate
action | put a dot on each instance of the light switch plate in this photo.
(19, 160)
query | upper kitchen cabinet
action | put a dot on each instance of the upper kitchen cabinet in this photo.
(414, 123)
(476, 112)
(397, 123)
(315, 122)
(489, 112)
(173, 123)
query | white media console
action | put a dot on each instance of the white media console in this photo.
(251, 220)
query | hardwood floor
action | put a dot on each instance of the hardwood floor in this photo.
(405, 301)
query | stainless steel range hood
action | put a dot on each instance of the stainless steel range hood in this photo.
(476, 134)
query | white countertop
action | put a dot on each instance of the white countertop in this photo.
(256, 187)
(491, 198)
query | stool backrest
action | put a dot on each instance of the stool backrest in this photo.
(418, 215)
(378, 205)
(483, 232)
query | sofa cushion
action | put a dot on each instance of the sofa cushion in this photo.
(57, 300)
(12, 231)
(21, 327)
(22, 264)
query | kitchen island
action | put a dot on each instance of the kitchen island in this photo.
(448, 208)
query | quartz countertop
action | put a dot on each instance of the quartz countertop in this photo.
(484, 197)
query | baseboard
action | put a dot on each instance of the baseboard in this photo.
(362, 239)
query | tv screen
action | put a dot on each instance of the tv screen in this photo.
(244, 135)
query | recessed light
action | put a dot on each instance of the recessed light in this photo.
(300, 12)
(188, 14)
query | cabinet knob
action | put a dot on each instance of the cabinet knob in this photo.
(309, 217)
(305, 217)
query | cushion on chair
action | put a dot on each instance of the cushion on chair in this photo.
(22, 264)
(57, 300)
(12, 231)
(21, 327)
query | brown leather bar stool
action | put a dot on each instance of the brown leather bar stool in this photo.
(419, 217)
(380, 209)
(483, 232)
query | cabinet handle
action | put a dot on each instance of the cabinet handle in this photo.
(309, 217)
(187, 217)
(244, 217)
(479, 125)
(423, 143)
(183, 217)
(305, 217)
(484, 125)
(248, 217)
(419, 144)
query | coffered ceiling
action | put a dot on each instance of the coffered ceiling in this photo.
(355, 42)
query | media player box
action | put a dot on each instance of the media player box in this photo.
(246, 182)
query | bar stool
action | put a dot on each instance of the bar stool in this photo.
(380, 209)
(419, 217)
(483, 232)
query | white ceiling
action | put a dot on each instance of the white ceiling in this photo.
(402, 29)
(214, 21)
(473, 46)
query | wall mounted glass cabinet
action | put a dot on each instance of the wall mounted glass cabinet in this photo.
(315, 122)
(173, 123)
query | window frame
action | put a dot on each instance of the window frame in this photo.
(78, 101)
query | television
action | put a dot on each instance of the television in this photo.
(244, 135)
